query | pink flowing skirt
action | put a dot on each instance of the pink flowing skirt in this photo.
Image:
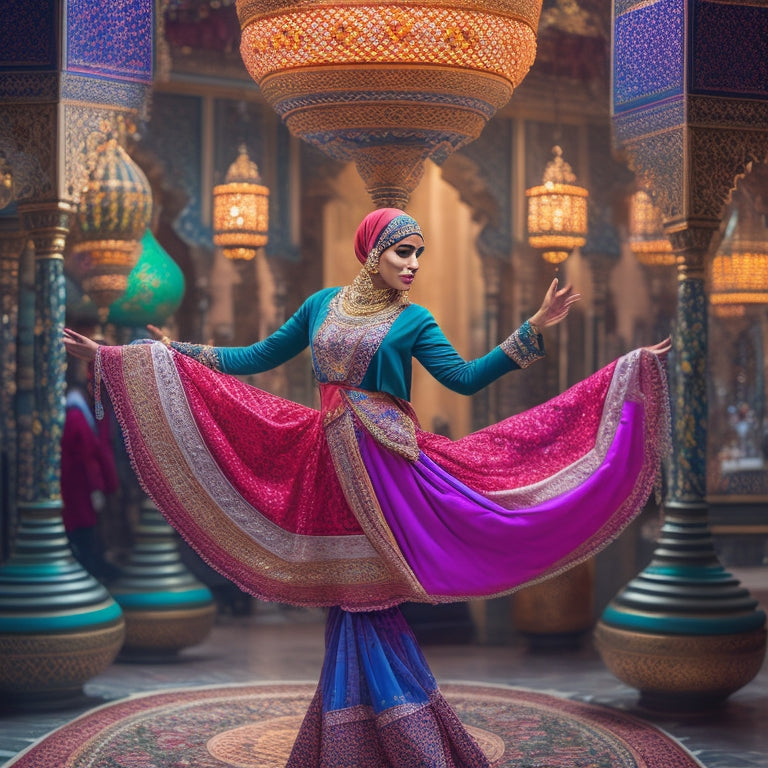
(353, 505)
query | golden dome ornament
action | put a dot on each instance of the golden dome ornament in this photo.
(114, 212)
(557, 211)
(241, 210)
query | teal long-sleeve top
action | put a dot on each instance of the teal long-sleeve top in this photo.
(413, 334)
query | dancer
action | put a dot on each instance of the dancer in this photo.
(355, 507)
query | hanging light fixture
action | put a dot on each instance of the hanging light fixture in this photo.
(646, 232)
(557, 211)
(739, 271)
(241, 210)
(114, 211)
(388, 85)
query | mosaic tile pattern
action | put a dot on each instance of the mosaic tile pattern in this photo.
(178, 143)
(110, 39)
(648, 53)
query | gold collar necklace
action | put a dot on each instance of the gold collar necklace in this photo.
(363, 298)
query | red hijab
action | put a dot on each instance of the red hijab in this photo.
(381, 229)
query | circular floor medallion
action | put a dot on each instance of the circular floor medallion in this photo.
(253, 726)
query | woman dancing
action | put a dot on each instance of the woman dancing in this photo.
(356, 508)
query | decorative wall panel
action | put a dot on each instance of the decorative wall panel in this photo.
(176, 138)
(110, 38)
(648, 52)
(28, 34)
(721, 34)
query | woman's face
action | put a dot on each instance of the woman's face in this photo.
(398, 264)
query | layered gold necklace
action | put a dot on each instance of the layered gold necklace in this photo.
(363, 298)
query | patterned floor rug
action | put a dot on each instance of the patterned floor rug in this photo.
(253, 726)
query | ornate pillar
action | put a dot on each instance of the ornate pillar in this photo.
(65, 87)
(47, 225)
(165, 607)
(684, 631)
(11, 245)
(49, 606)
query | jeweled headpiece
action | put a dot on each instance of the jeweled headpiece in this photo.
(380, 230)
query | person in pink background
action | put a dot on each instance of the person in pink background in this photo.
(88, 476)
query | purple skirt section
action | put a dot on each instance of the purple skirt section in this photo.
(377, 704)
(458, 542)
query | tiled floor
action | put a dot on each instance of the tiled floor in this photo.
(276, 643)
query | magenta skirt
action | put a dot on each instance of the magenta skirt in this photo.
(355, 506)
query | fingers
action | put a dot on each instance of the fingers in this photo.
(78, 345)
(70, 334)
(155, 331)
(661, 348)
(551, 291)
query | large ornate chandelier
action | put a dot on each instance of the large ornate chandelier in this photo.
(388, 85)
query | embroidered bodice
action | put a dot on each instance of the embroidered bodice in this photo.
(344, 345)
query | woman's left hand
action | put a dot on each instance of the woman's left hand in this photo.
(556, 305)
(78, 345)
(660, 349)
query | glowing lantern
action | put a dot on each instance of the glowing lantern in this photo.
(241, 210)
(557, 211)
(646, 232)
(739, 271)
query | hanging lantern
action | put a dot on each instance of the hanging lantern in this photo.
(739, 271)
(241, 210)
(388, 85)
(155, 288)
(557, 211)
(115, 208)
(646, 232)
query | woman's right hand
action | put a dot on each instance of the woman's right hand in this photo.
(79, 346)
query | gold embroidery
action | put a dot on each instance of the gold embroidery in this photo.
(523, 346)
(344, 345)
(361, 497)
(363, 299)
